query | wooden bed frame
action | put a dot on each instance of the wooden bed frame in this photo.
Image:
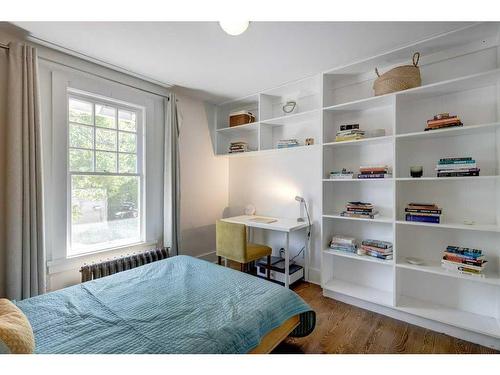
(276, 336)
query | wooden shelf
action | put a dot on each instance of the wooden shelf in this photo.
(363, 258)
(373, 140)
(451, 132)
(380, 219)
(435, 268)
(474, 322)
(478, 227)
(365, 293)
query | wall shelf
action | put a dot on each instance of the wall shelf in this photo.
(372, 140)
(380, 219)
(462, 319)
(477, 227)
(365, 293)
(358, 179)
(435, 268)
(362, 258)
(450, 132)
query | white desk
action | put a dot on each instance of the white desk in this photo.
(280, 225)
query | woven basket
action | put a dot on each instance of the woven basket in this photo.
(400, 78)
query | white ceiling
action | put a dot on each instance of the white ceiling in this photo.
(199, 56)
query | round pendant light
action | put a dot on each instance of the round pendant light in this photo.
(234, 27)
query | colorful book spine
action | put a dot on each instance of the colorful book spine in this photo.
(422, 211)
(423, 219)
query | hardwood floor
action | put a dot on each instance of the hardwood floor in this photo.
(342, 328)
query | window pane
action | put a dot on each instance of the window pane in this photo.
(105, 116)
(127, 120)
(127, 142)
(105, 161)
(105, 139)
(104, 212)
(81, 136)
(81, 160)
(128, 163)
(80, 111)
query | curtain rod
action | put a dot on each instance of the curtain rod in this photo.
(103, 77)
(5, 46)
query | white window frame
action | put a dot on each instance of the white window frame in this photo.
(55, 83)
(141, 167)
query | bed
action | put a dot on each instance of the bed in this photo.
(177, 305)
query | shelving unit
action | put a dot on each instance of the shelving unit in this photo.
(459, 78)
(460, 75)
(273, 123)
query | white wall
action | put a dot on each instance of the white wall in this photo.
(204, 179)
(271, 182)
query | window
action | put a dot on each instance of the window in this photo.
(105, 174)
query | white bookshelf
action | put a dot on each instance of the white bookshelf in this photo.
(459, 78)
(460, 75)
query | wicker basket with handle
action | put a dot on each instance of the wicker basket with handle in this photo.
(400, 78)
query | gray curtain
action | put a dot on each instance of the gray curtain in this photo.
(24, 258)
(171, 190)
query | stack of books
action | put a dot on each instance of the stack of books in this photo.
(361, 210)
(377, 249)
(349, 132)
(374, 171)
(344, 174)
(457, 167)
(443, 120)
(288, 143)
(240, 146)
(464, 260)
(423, 212)
(343, 243)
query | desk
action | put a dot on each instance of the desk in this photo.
(280, 225)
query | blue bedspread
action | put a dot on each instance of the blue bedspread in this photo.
(177, 305)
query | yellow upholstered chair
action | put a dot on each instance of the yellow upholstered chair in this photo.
(232, 244)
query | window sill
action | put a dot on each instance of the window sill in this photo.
(74, 262)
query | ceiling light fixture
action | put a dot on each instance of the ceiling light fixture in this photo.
(234, 27)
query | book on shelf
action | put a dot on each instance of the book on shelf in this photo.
(443, 120)
(377, 249)
(422, 218)
(423, 211)
(373, 175)
(457, 167)
(361, 210)
(344, 174)
(349, 127)
(343, 243)
(464, 260)
(473, 173)
(287, 143)
(357, 215)
(377, 243)
(349, 133)
(239, 146)
(462, 160)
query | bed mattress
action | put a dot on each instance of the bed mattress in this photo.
(176, 305)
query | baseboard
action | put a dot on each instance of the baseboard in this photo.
(460, 333)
